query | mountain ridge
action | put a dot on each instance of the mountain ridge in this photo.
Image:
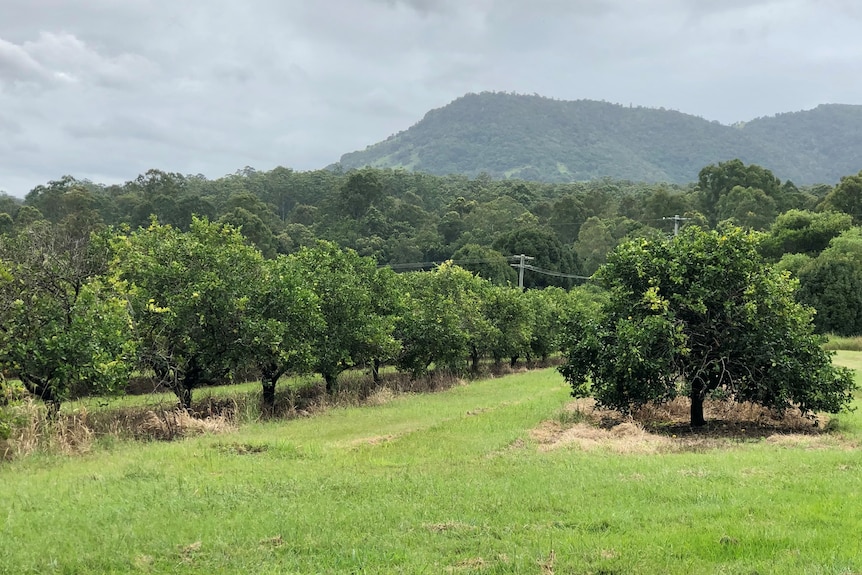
(536, 138)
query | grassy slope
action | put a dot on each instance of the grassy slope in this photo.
(429, 484)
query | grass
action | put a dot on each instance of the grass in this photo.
(454, 482)
(835, 342)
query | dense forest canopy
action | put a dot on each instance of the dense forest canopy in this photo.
(536, 138)
(413, 221)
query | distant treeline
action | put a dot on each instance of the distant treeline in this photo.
(409, 220)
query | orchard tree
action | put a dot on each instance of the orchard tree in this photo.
(697, 315)
(190, 293)
(546, 310)
(64, 328)
(551, 308)
(355, 332)
(281, 322)
(429, 324)
(510, 315)
(444, 320)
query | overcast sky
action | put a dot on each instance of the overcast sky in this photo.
(106, 89)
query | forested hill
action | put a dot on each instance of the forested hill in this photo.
(536, 138)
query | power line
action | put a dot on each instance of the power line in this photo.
(556, 274)
(520, 263)
(423, 265)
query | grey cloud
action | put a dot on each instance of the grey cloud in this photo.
(9, 126)
(16, 65)
(120, 127)
(212, 85)
(422, 6)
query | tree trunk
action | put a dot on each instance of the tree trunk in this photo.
(269, 394)
(330, 379)
(514, 361)
(474, 359)
(45, 392)
(697, 419)
(375, 370)
(184, 394)
(191, 379)
(269, 374)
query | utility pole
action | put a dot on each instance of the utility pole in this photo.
(521, 265)
(676, 220)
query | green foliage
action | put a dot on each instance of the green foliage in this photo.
(64, 330)
(803, 232)
(11, 394)
(546, 312)
(598, 236)
(360, 191)
(280, 324)
(253, 229)
(510, 316)
(430, 325)
(792, 263)
(732, 190)
(486, 263)
(747, 207)
(549, 252)
(444, 320)
(189, 295)
(695, 315)
(832, 284)
(846, 197)
(350, 293)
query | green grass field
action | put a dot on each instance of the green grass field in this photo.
(451, 482)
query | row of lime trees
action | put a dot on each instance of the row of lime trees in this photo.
(699, 314)
(80, 315)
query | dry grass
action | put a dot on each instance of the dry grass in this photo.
(170, 425)
(665, 429)
(374, 440)
(76, 433)
(33, 431)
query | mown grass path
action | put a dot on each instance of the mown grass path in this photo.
(441, 483)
